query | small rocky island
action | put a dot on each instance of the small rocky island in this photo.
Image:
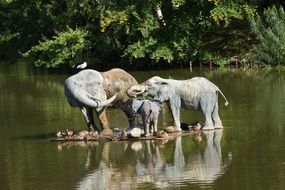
(133, 134)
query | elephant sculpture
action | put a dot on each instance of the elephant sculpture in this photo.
(149, 110)
(92, 90)
(198, 93)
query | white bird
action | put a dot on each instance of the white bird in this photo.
(82, 66)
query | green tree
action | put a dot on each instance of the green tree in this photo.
(154, 31)
(269, 29)
(68, 47)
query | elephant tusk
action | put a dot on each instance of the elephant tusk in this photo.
(107, 102)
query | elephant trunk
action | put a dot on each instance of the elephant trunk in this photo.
(135, 90)
(88, 100)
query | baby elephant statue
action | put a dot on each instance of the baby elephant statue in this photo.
(198, 93)
(149, 110)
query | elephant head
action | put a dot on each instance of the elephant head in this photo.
(155, 87)
(81, 90)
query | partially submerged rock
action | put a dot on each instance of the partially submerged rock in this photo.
(161, 134)
(80, 136)
(170, 129)
(135, 132)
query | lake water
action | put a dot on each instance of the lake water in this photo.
(247, 154)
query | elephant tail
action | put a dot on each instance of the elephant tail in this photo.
(226, 101)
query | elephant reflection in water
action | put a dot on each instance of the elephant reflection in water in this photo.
(202, 166)
(145, 164)
(108, 174)
(208, 166)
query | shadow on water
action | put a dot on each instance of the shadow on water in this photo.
(42, 137)
(183, 161)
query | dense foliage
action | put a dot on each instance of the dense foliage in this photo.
(169, 32)
(270, 30)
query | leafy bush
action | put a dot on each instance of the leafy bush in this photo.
(221, 62)
(270, 30)
(66, 47)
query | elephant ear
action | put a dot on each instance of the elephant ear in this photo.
(136, 104)
(92, 81)
(83, 87)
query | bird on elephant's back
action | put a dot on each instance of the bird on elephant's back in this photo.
(92, 90)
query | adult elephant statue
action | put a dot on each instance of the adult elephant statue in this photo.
(92, 90)
(198, 93)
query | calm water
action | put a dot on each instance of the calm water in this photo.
(247, 154)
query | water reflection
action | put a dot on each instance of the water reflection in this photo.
(155, 164)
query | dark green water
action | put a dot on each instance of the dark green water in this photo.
(247, 154)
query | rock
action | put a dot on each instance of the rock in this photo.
(69, 133)
(78, 137)
(161, 134)
(93, 134)
(135, 132)
(116, 129)
(124, 135)
(59, 134)
(170, 129)
(69, 137)
(83, 133)
(87, 137)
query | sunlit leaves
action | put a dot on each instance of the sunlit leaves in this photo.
(141, 49)
(225, 11)
(113, 17)
(67, 47)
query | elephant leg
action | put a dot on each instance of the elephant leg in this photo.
(88, 116)
(155, 121)
(206, 103)
(102, 115)
(216, 118)
(145, 127)
(151, 128)
(130, 113)
(175, 111)
(208, 122)
(146, 132)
